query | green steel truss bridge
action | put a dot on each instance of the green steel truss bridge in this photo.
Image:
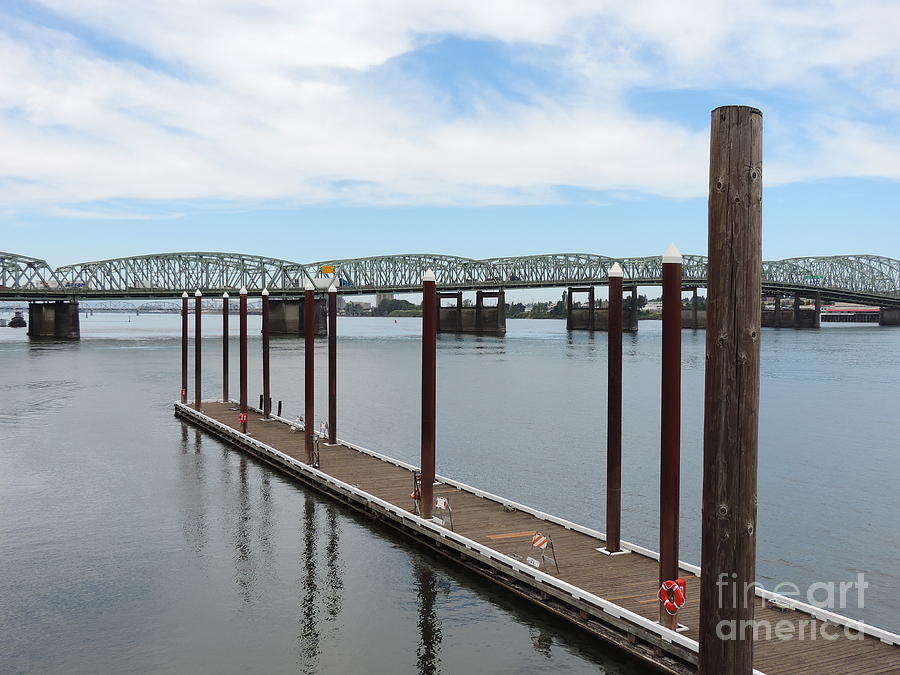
(867, 279)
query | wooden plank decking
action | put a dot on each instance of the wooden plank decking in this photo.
(628, 581)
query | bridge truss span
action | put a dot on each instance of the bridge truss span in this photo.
(173, 273)
(23, 272)
(868, 279)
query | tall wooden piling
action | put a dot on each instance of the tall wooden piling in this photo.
(267, 395)
(184, 346)
(429, 384)
(613, 411)
(309, 355)
(731, 412)
(332, 364)
(242, 320)
(225, 310)
(198, 355)
(670, 428)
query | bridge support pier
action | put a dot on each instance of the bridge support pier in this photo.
(477, 320)
(286, 317)
(57, 320)
(596, 318)
(799, 317)
(693, 318)
(889, 316)
(450, 319)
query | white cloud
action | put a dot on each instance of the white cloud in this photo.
(221, 99)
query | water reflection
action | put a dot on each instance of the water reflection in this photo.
(266, 520)
(335, 588)
(245, 567)
(309, 615)
(428, 660)
(542, 641)
(193, 503)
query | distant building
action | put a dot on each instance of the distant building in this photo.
(381, 297)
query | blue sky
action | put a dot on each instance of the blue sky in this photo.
(470, 128)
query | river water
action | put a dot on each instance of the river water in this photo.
(130, 542)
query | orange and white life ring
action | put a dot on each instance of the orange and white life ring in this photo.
(672, 595)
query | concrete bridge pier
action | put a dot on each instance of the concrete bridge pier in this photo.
(450, 319)
(889, 316)
(57, 320)
(478, 320)
(597, 318)
(795, 317)
(286, 317)
(693, 318)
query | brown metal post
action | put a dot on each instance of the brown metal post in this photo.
(479, 311)
(696, 314)
(309, 346)
(198, 357)
(569, 308)
(614, 413)
(332, 364)
(184, 346)
(670, 437)
(634, 307)
(267, 398)
(429, 384)
(817, 319)
(591, 325)
(731, 412)
(243, 358)
(225, 310)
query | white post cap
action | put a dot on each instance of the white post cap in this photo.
(615, 271)
(198, 294)
(225, 295)
(184, 295)
(308, 285)
(332, 288)
(672, 255)
(429, 275)
(265, 292)
(243, 290)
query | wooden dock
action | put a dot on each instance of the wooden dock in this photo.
(613, 597)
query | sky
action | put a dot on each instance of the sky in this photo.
(311, 131)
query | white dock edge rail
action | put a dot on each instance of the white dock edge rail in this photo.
(667, 635)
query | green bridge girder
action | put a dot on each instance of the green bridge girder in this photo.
(869, 279)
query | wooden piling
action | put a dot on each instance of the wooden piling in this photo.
(429, 386)
(670, 428)
(225, 310)
(332, 364)
(731, 411)
(198, 355)
(242, 320)
(266, 395)
(309, 355)
(184, 346)
(613, 411)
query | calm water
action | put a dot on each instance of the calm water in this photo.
(132, 543)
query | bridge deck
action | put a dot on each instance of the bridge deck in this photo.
(628, 581)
